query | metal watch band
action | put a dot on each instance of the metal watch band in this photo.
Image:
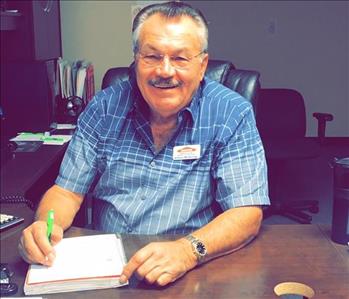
(198, 247)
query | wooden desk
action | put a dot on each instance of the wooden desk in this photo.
(301, 253)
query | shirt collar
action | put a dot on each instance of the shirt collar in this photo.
(139, 104)
(192, 109)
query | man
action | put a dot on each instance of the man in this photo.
(164, 147)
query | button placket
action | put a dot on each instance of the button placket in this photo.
(142, 191)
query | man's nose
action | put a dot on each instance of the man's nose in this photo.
(165, 69)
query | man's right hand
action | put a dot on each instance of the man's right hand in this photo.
(34, 246)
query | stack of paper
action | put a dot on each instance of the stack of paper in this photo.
(55, 139)
(63, 126)
(82, 263)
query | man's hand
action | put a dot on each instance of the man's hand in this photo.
(34, 246)
(161, 262)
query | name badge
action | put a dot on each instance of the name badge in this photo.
(186, 152)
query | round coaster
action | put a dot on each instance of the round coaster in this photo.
(294, 288)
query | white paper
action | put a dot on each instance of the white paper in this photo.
(66, 138)
(82, 257)
(28, 137)
(65, 126)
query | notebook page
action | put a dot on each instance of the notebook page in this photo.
(82, 257)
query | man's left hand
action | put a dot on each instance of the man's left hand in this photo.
(161, 262)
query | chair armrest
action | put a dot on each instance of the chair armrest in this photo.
(322, 118)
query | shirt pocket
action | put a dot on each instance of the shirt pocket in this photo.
(181, 176)
(202, 164)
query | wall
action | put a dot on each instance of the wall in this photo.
(99, 31)
(295, 44)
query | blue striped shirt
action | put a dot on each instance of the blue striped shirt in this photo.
(139, 190)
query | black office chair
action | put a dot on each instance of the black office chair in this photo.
(281, 121)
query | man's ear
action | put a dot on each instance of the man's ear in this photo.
(203, 66)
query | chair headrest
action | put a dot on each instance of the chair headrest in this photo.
(115, 75)
(218, 70)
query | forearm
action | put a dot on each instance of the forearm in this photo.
(230, 230)
(65, 204)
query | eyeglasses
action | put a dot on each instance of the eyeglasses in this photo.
(178, 62)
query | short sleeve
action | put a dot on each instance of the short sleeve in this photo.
(240, 172)
(79, 165)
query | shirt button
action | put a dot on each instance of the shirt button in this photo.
(142, 197)
(152, 164)
(129, 229)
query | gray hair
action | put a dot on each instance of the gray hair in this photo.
(170, 10)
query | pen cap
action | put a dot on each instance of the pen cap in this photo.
(51, 215)
(340, 213)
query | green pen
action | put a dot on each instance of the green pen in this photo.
(50, 220)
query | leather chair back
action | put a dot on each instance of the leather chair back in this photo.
(244, 82)
(281, 114)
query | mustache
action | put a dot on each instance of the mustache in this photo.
(164, 82)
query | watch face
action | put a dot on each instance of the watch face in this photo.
(201, 248)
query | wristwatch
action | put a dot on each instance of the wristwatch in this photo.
(199, 248)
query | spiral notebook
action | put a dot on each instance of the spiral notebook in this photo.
(82, 263)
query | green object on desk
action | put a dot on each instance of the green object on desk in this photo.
(50, 220)
(58, 139)
(31, 134)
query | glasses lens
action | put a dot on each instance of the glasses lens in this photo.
(180, 62)
(154, 60)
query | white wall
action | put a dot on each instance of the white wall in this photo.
(99, 31)
(308, 50)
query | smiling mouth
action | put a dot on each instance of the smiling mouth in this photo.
(165, 87)
(162, 83)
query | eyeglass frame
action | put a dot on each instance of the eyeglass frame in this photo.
(162, 56)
